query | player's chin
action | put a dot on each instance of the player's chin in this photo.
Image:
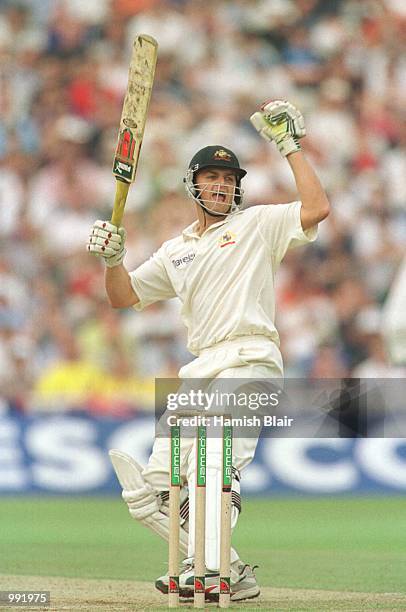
(220, 207)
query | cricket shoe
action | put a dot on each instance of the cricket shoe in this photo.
(186, 580)
(243, 582)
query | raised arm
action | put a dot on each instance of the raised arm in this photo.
(315, 205)
(119, 288)
(281, 122)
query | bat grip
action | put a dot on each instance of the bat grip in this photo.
(119, 202)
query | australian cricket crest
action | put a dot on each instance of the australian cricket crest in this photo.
(226, 239)
(222, 155)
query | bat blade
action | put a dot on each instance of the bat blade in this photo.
(133, 119)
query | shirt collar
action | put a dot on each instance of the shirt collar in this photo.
(191, 230)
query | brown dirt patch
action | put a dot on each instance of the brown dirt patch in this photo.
(120, 595)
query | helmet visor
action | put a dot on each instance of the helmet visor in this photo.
(218, 199)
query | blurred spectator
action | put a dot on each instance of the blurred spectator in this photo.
(64, 67)
(376, 364)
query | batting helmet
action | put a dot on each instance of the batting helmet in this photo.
(216, 156)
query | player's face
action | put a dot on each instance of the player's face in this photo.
(216, 188)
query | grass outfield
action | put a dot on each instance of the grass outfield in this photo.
(337, 544)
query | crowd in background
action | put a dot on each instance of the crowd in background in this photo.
(63, 71)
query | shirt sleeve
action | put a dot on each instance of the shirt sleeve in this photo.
(151, 282)
(281, 228)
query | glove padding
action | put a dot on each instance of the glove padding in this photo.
(281, 122)
(107, 240)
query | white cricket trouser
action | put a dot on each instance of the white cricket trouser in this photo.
(248, 357)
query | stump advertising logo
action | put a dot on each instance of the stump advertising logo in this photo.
(173, 584)
(199, 584)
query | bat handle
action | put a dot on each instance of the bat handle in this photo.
(119, 202)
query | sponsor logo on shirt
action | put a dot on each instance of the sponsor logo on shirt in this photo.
(181, 262)
(227, 239)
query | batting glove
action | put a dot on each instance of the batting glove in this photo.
(107, 241)
(281, 122)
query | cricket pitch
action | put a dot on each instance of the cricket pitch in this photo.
(115, 595)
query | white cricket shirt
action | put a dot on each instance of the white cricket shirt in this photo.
(224, 278)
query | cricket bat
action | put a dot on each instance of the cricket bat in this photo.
(133, 118)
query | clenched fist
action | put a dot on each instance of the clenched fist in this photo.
(106, 240)
(281, 122)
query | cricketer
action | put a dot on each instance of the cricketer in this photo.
(222, 268)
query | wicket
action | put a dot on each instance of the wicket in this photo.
(200, 514)
(174, 518)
